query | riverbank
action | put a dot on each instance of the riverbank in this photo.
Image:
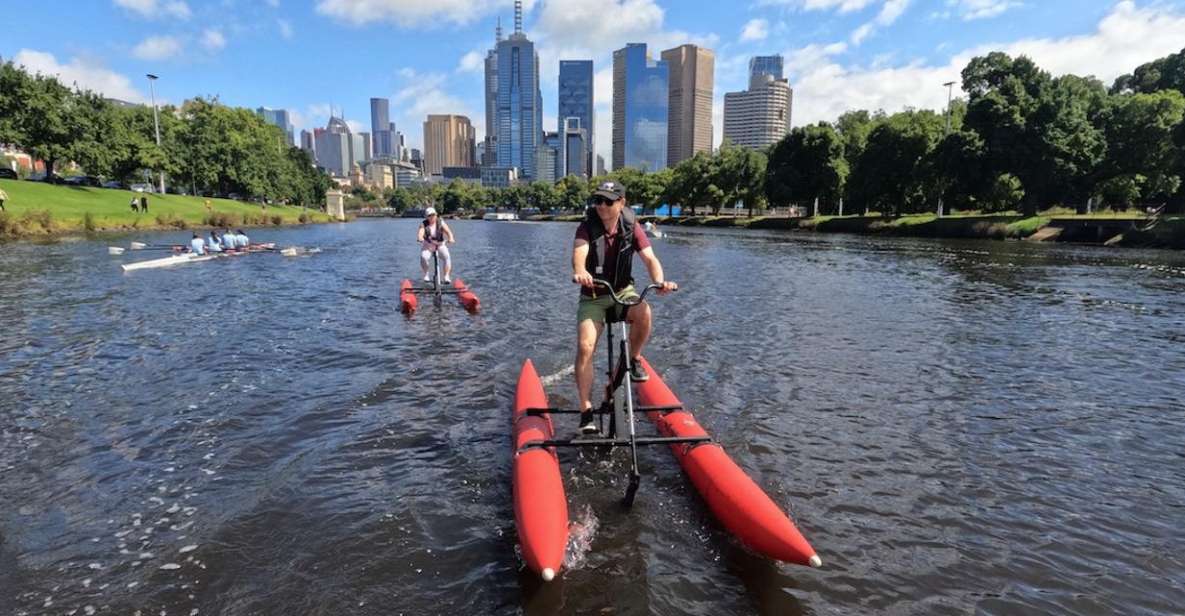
(35, 209)
(1107, 228)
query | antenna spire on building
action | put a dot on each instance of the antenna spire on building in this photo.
(518, 16)
(498, 32)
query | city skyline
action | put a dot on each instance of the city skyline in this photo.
(428, 59)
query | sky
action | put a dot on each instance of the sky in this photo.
(314, 56)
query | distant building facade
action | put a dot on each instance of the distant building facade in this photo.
(337, 149)
(574, 153)
(448, 142)
(489, 153)
(520, 104)
(278, 117)
(690, 84)
(306, 143)
(499, 177)
(575, 100)
(766, 65)
(640, 109)
(759, 116)
(381, 129)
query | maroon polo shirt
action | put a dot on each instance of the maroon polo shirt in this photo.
(612, 249)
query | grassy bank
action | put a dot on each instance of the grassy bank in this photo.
(38, 209)
(1112, 228)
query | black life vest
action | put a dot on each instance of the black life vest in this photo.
(594, 263)
(439, 237)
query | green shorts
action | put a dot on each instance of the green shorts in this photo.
(597, 309)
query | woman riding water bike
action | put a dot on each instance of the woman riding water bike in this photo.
(433, 236)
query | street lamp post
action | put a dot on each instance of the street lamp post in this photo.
(156, 122)
(949, 93)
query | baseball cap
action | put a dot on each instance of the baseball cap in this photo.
(429, 212)
(610, 190)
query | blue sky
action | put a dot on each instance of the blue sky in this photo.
(425, 55)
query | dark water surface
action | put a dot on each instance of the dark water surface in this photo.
(958, 427)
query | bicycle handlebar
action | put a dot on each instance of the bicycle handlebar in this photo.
(617, 299)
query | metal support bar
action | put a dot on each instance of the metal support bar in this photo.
(616, 442)
(669, 407)
(544, 411)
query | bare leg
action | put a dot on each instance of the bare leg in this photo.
(587, 333)
(448, 261)
(639, 320)
(425, 257)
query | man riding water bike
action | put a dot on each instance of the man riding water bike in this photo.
(604, 249)
(433, 236)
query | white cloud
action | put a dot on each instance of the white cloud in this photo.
(83, 72)
(472, 62)
(273, 3)
(285, 28)
(844, 6)
(154, 9)
(213, 40)
(890, 11)
(420, 94)
(157, 48)
(981, 9)
(411, 13)
(1125, 38)
(755, 30)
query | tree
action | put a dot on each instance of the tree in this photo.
(955, 170)
(48, 127)
(889, 174)
(1140, 132)
(574, 192)
(1167, 73)
(805, 165)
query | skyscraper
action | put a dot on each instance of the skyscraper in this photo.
(520, 104)
(380, 126)
(448, 142)
(766, 65)
(639, 109)
(689, 120)
(489, 154)
(576, 101)
(335, 147)
(760, 116)
(278, 117)
(574, 154)
(306, 143)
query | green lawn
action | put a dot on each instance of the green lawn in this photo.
(35, 208)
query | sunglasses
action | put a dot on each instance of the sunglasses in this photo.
(602, 201)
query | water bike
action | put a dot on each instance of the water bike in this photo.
(408, 291)
(540, 506)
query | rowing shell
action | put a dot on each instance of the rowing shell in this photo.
(192, 258)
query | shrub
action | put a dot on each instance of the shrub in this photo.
(171, 220)
(304, 218)
(41, 218)
(88, 222)
(7, 224)
(277, 219)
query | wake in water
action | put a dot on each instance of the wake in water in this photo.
(552, 378)
(581, 532)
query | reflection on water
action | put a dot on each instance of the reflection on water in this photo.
(956, 426)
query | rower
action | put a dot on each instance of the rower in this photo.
(213, 243)
(196, 245)
(433, 236)
(604, 248)
(241, 240)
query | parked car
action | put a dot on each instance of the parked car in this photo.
(41, 177)
(7, 173)
(142, 188)
(112, 184)
(83, 180)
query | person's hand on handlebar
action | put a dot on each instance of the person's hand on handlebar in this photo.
(666, 287)
(583, 278)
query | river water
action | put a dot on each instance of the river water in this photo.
(957, 427)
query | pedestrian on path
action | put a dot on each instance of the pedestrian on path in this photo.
(3, 198)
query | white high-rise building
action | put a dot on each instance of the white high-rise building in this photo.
(760, 116)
